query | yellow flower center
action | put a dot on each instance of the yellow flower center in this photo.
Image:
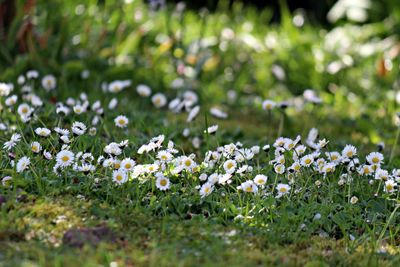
(375, 160)
(65, 158)
(121, 121)
(163, 182)
(128, 166)
(283, 190)
(119, 177)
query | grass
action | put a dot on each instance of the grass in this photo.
(53, 216)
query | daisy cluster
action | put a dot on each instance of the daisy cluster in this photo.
(281, 169)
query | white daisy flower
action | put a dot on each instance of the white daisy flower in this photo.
(282, 189)
(119, 176)
(162, 182)
(159, 100)
(121, 121)
(36, 147)
(390, 186)
(307, 160)
(12, 100)
(230, 166)
(143, 90)
(249, 187)
(349, 151)
(193, 113)
(65, 158)
(164, 156)
(22, 164)
(78, 128)
(49, 82)
(218, 113)
(206, 189)
(353, 200)
(24, 110)
(260, 179)
(43, 132)
(128, 164)
(32, 74)
(5, 89)
(268, 104)
(187, 163)
(212, 129)
(375, 158)
(279, 168)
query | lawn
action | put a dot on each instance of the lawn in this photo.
(157, 135)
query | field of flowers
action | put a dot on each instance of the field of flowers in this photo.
(136, 134)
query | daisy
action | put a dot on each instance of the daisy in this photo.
(128, 164)
(61, 131)
(5, 89)
(260, 179)
(113, 103)
(152, 168)
(268, 104)
(187, 163)
(22, 164)
(193, 113)
(36, 147)
(49, 82)
(365, 170)
(43, 132)
(203, 177)
(349, 151)
(212, 129)
(47, 155)
(118, 86)
(164, 156)
(279, 168)
(32, 74)
(24, 110)
(159, 100)
(119, 176)
(162, 182)
(78, 128)
(143, 90)
(282, 189)
(79, 109)
(375, 158)
(218, 113)
(206, 189)
(121, 121)
(334, 156)
(390, 186)
(86, 168)
(307, 160)
(382, 175)
(328, 168)
(213, 178)
(249, 187)
(63, 110)
(353, 200)
(230, 166)
(10, 101)
(6, 181)
(65, 158)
